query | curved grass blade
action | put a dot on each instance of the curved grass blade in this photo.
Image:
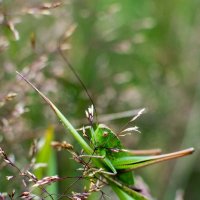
(62, 118)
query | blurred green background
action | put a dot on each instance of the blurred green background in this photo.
(130, 55)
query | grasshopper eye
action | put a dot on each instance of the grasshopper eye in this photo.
(105, 134)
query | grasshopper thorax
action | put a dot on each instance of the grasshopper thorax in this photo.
(104, 137)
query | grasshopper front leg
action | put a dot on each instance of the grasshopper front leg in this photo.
(91, 156)
(106, 161)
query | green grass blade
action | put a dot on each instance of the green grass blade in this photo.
(62, 118)
(47, 155)
(44, 153)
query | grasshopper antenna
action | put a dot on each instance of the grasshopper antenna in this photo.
(77, 76)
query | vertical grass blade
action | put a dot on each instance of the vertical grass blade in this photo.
(47, 156)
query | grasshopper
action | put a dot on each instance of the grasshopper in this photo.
(108, 153)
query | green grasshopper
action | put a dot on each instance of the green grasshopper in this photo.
(108, 154)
